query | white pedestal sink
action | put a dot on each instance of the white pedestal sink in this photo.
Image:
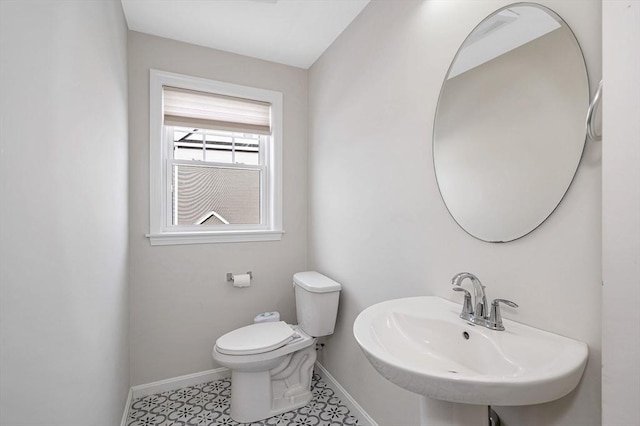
(422, 345)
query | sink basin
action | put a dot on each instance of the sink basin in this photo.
(422, 345)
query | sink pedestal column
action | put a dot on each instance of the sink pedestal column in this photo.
(444, 413)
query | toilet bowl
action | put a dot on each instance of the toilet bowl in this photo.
(272, 363)
(270, 381)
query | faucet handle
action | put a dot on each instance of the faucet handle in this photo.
(495, 319)
(505, 301)
(467, 307)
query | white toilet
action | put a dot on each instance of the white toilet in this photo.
(271, 363)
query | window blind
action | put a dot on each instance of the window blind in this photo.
(201, 110)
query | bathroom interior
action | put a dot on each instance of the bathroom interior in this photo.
(90, 308)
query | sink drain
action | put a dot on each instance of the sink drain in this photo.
(465, 335)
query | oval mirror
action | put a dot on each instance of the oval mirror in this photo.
(510, 123)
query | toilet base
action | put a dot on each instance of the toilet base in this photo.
(263, 394)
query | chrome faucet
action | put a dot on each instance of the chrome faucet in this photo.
(478, 292)
(479, 316)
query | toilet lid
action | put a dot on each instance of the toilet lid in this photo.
(255, 338)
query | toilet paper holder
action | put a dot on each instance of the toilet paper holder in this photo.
(230, 276)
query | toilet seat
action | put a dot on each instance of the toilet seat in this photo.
(255, 338)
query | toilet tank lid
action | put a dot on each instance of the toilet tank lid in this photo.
(315, 282)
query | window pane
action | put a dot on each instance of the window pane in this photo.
(243, 157)
(247, 149)
(214, 195)
(187, 146)
(219, 148)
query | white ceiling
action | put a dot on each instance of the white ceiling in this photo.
(291, 32)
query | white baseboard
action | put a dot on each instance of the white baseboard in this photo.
(123, 422)
(180, 382)
(347, 400)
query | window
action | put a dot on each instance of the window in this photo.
(216, 154)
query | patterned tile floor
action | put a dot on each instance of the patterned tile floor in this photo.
(208, 404)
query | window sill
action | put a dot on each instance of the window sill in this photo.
(175, 238)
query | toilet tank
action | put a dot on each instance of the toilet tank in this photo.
(316, 302)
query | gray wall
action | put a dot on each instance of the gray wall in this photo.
(180, 301)
(63, 222)
(378, 225)
(621, 213)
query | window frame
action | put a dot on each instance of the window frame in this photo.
(160, 157)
